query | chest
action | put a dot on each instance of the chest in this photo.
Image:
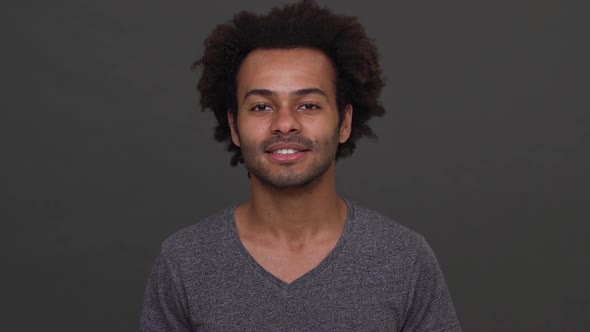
(290, 262)
(340, 295)
(339, 308)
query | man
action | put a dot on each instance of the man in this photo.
(292, 92)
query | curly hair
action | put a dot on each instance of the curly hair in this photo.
(342, 38)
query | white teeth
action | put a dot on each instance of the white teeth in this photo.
(286, 151)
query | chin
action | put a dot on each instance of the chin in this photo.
(291, 181)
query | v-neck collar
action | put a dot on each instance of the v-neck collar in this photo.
(307, 277)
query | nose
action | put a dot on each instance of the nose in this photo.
(285, 122)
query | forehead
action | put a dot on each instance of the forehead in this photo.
(284, 70)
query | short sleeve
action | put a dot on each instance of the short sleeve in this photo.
(164, 306)
(429, 306)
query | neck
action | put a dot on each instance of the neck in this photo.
(296, 213)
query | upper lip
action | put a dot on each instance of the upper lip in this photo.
(281, 146)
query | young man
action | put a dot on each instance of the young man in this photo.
(292, 91)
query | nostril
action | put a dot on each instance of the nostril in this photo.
(285, 123)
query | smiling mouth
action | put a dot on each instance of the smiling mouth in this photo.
(287, 155)
(287, 151)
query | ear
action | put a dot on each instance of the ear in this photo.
(231, 119)
(346, 125)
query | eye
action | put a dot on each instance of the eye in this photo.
(309, 106)
(261, 108)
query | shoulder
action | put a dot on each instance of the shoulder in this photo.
(381, 240)
(203, 236)
(396, 248)
(381, 229)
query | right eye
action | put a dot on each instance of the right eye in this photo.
(261, 108)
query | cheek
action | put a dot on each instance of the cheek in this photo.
(251, 132)
(327, 127)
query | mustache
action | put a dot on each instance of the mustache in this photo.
(296, 139)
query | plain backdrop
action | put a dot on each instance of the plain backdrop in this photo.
(483, 150)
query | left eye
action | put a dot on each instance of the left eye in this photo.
(309, 106)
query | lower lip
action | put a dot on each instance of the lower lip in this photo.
(288, 157)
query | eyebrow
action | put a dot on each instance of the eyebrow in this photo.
(298, 93)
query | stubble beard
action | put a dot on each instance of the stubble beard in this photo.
(288, 177)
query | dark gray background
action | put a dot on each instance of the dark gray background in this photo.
(484, 150)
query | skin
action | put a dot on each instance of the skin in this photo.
(295, 216)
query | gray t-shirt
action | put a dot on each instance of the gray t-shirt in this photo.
(380, 276)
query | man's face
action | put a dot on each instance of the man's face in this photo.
(288, 124)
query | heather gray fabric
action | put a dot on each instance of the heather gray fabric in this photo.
(380, 277)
